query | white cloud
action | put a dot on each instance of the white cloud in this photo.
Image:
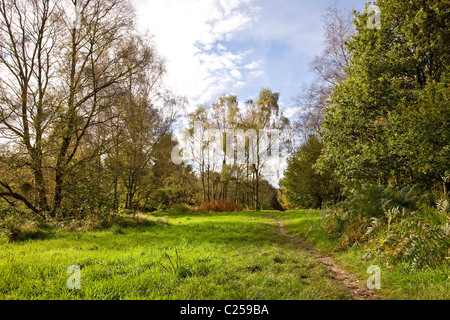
(257, 74)
(236, 74)
(252, 65)
(221, 47)
(229, 5)
(192, 36)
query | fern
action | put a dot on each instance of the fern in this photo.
(442, 205)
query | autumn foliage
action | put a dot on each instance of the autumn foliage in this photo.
(223, 205)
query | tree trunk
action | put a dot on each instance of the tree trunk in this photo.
(129, 199)
(115, 195)
(42, 203)
(58, 191)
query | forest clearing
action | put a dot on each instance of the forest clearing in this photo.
(224, 150)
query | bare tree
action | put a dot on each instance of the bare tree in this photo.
(331, 64)
(59, 70)
(29, 34)
(330, 69)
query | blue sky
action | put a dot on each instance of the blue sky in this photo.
(216, 47)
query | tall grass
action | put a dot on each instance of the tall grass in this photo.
(399, 278)
(237, 256)
(19, 225)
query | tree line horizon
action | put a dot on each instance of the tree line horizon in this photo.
(86, 121)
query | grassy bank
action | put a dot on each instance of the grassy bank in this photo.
(185, 256)
(397, 281)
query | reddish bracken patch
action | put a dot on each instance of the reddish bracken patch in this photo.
(223, 205)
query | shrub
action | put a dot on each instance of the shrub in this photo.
(117, 230)
(106, 221)
(421, 237)
(22, 231)
(95, 223)
(19, 225)
(223, 205)
(351, 218)
(180, 208)
(397, 225)
(139, 220)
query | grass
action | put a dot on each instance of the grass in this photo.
(397, 281)
(195, 256)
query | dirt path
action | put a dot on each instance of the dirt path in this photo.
(357, 288)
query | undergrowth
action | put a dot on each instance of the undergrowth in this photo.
(407, 225)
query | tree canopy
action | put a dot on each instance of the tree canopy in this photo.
(388, 122)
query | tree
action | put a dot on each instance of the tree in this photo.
(330, 70)
(230, 149)
(28, 42)
(58, 83)
(262, 116)
(302, 185)
(168, 184)
(383, 119)
(96, 51)
(145, 114)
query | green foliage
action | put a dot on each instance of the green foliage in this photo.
(180, 208)
(19, 225)
(304, 187)
(370, 201)
(398, 225)
(351, 217)
(275, 204)
(389, 121)
(87, 194)
(173, 197)
(421, 238)
(388, 124)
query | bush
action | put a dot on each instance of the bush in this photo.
(180, 208)
(19, 225)
(223, 205)
(139, 220)
(351, 218)
(401, 226)
(21, 231)
(96, 223)
(421, 237)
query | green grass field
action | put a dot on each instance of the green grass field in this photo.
(397, 281)
(240, 256)
(197, 256)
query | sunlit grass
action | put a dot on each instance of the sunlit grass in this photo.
(191, 256)
(397, 281)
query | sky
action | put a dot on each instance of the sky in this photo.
(216, 47)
